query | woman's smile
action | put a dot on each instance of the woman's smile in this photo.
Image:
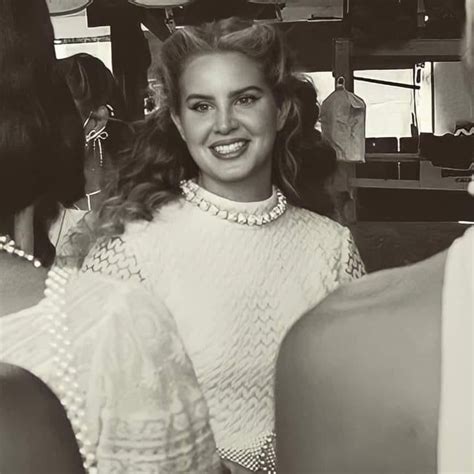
(228, 149)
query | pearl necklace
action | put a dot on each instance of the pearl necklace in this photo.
(190, 189)
(8, 245)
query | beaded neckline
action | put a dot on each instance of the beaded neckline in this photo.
(8, 245)
(192, 192)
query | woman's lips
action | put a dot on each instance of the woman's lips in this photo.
(229, 150)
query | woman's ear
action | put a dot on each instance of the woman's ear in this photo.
(283, 111)
(178, 124)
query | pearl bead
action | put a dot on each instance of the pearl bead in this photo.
(252, 220)
(213, 210)
(241, 219)
(204, 205)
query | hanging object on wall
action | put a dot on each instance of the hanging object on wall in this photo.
(66, 7)
(343, 123)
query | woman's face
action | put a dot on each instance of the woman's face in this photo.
(229, 119)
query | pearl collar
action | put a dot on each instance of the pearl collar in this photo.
(193, 193)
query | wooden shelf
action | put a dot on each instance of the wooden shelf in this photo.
(392, 157)
(430, 179)
(413, 51)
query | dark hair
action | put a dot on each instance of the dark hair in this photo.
(41, 136)
(317, 159)
(92, 84)
(308, 98)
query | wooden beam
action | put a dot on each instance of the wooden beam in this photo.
(411, 51)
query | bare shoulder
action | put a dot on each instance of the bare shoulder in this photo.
(369, 355)
(32, 423)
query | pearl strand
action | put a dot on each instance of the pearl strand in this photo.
(190, 189)
(8, 245)
(65, 374)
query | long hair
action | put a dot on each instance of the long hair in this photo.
(92, 84)
(41, 136)
(317, 159)
(159, 158)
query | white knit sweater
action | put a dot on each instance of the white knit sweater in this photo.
(234, 291)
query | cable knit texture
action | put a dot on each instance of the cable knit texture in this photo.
(234, 291)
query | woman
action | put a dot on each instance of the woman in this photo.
(197, 242)
(102, 109)
(41, 147)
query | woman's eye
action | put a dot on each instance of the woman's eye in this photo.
(201, 107)
(246, 100)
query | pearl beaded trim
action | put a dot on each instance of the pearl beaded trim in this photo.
(259, 457)
(190, 190)
(65, 375)
(8, 245)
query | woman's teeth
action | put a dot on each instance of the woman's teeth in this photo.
(228, 149)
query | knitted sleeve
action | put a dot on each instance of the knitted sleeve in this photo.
(351, 266)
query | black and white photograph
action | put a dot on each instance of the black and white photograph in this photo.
(236, 236)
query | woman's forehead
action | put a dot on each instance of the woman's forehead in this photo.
(220, 72)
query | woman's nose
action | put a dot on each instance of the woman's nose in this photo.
(225, 122)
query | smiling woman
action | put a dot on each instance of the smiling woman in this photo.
(229, 119)
(200, 243)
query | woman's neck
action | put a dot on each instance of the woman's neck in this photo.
(240, 191)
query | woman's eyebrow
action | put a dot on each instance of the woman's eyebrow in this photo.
(231, 94)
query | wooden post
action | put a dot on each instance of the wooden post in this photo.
(130, 60)
(130, 51)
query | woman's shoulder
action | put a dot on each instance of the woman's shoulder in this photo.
(317, 223)
(127, 255)
(392, 320)
(398, 297)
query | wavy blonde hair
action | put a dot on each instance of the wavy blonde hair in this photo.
(153, 167)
